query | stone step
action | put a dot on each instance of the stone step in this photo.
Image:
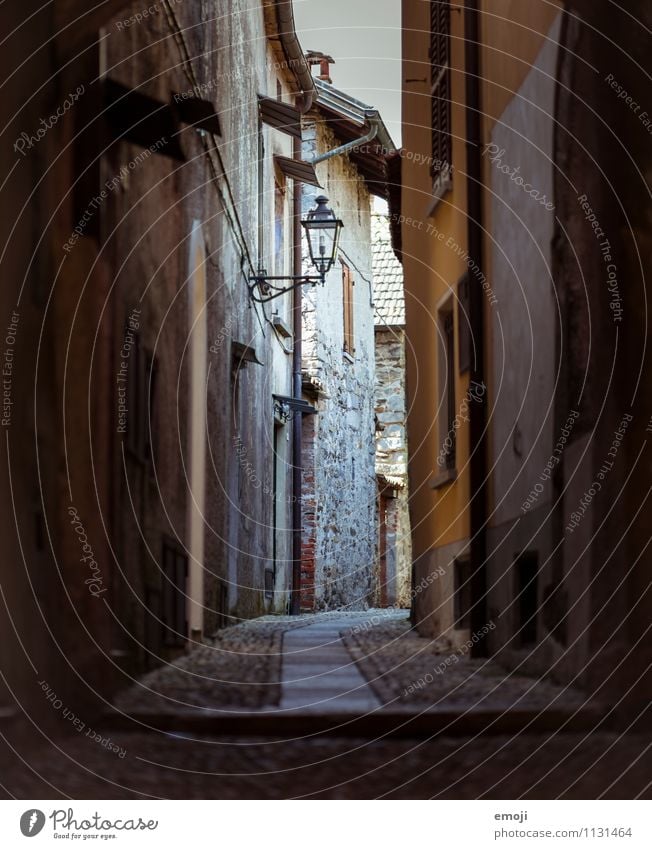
(274, 722)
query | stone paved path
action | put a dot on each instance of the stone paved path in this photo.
(320, 679)
(318, 673)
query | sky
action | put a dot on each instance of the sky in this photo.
(364, 38)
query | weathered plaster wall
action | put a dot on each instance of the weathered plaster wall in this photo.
(523, 362)
(606, 360)
(153, 214)
(523, 322)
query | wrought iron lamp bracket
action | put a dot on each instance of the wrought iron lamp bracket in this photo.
(262, 290)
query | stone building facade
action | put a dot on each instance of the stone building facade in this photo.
(339, 546)
(394, 580)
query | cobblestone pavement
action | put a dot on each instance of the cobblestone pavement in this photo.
(239, 668)
(412, 673)
(169, 767)
(243, 668)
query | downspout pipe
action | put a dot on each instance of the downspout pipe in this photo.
(298, 64)
(297, 418)
(344, 148)
(478, 410)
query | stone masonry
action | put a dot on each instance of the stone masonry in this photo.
(394, 578)
(339, 488)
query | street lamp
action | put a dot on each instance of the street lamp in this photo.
(322, 230)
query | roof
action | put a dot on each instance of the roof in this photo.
(391, 481)
(387, 272)
(281, 31)
(350, 119)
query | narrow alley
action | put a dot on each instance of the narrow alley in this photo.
(326, 407)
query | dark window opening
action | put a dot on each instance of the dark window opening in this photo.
(462, 593)
(269, 583)
(527, 595)
(463, 325)
(142, 419)
(152, 422)
(86, 150)
(222, 605)
(153, 627)
(135, 380)
(175, 577)
(270, 573)
(448, 389)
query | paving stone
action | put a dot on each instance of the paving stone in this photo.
(336, 683)
(412, 673)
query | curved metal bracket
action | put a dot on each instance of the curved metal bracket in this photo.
(268, 291)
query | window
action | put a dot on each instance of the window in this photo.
(279, 228)
(527, 594)
(447, 384)
(440, 16)
(141, 383)
(462, 595)
(175, 575)
(347, 301)
(151, 424)
(463, 325)
(278, 519)
(136, 434)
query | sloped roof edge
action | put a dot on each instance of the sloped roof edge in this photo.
(283, 24)
(348, 107)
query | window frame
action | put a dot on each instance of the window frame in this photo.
(348, 310)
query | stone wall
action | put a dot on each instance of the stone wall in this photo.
(339, 485)
(391, 460)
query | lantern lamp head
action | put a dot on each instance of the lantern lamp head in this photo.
(323, 235)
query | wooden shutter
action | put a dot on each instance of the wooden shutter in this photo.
(440, 14)
(347, 300)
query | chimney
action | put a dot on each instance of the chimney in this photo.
(315, 57)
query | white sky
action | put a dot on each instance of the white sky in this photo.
(364, 38)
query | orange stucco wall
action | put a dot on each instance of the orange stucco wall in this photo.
(512, 33)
